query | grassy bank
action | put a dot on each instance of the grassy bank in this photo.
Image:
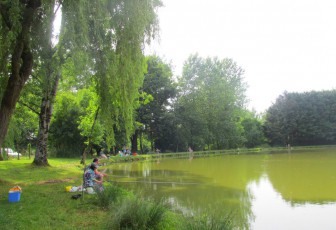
(45, 204)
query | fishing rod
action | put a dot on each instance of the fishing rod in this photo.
(156, 182)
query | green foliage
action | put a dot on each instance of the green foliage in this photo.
(206, 222)
(111, 196)
(253, 132)
(22, 129)
(65, 138)
(158, 84)
(74, 75)
(302, 119)
(102, 40)
(18, 26)
(89, 104)
(168, 138)
(112, 34)
(211, 100)
(137, 213)
(23, 126)
(8, 35)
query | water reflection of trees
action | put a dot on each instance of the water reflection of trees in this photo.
(218, 185)
(304, 177)
(216, 202)
(215, 186)
(192, 198)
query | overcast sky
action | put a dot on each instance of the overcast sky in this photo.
(283, 45)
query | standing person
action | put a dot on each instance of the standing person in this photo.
(190, 149)
(128, 152)
(91, 182)
(124, 150)
(191, 153)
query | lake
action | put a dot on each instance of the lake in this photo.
(294, 190)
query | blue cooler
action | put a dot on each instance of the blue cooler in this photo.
(14, 196)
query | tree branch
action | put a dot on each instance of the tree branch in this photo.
(29, 107)
(58, 7)
(4, 15)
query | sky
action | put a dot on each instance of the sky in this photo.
(283, 45)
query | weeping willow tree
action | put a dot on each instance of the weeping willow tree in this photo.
(104, 37)
(127, 71)
(115, 34)
(110, 45)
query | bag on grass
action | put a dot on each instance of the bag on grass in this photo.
(15, 189)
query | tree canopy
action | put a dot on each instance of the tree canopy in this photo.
(212, 94)
(92, 85)
(302, 119)
(160, 87)
(104, 38)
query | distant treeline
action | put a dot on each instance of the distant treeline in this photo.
(302, 119)
(203, 109)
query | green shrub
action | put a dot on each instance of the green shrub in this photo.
(110, 196)
(207, 222)
(137, 213)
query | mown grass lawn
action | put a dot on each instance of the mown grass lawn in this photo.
(44, 203)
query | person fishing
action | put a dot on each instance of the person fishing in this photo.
(92, 183)
(97, 173)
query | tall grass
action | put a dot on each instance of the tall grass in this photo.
(141, 214)
(110, 196)
(207, 222)
(128, 211)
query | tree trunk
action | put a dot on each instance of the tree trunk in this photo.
(52, 64)
(21, 67)
(141, 146)
(134, 141)
(89, 147)
(41, 155)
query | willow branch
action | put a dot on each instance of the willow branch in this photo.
(29, 107)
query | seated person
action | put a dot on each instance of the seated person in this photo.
(101, 154)
(91, 181)
(98, 174)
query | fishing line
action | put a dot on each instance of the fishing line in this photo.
(156, 182)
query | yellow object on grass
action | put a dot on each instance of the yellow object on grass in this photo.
(68, 188)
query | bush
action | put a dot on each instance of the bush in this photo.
(137, 213)
(128, 211)
(207, 222)
(110, 196)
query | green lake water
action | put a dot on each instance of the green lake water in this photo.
(294, 190)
